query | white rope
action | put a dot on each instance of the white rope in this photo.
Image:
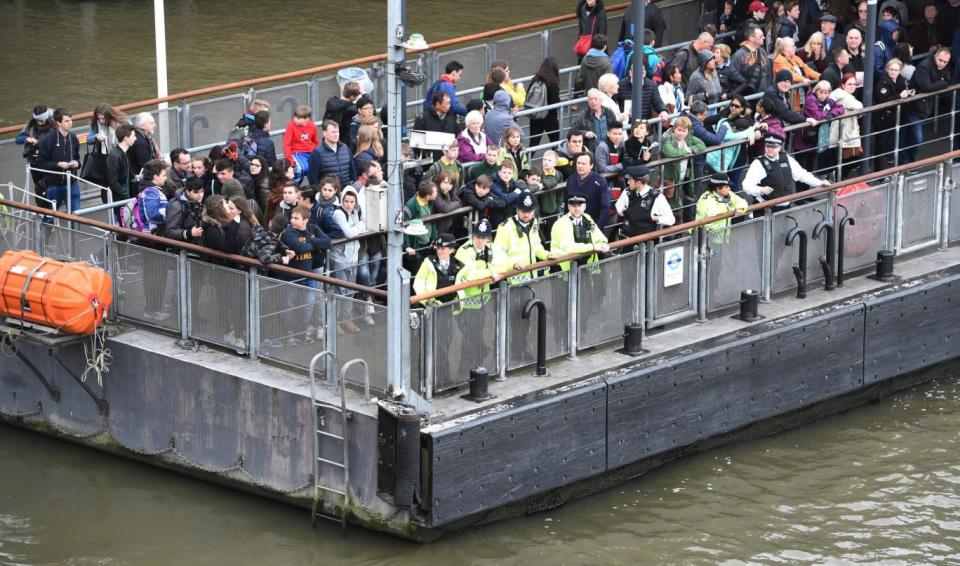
(97, 355)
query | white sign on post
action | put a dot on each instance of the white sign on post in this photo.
(673, 266)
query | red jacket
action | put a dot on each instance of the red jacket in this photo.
(299, 139)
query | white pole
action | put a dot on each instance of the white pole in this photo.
(160, 34)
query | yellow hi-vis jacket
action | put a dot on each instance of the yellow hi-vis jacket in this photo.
(563, 238)
(515, 245)
(710, 204)
(428, 279)
(475, 267)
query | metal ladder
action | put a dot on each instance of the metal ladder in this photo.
(319, 424)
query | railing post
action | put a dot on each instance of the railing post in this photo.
(26, 182)
(253, 324)
(650, 300)
(186, 136)
(896, 138)
(945, 195)
(573, 279)
(313, 95)
(427, 338)
(701, 270)
(640, 289)
(183, 291)
(766, 267)
(895, 204)
(491, 52)
(545, 43)
(503, 310)
(330, 332)
(111, 269)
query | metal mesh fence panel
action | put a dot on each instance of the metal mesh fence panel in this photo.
(554, 291)
(357, 338)
(920, 200)
(168, 128)
(868, 236)
(218, 304)
(474, 61)
(326, 87)
(673, 278)
(955, 205)
(211, 120)
(142, 285)
(524, 53)
(684, 18)
(785, 256)
(607, 298)
(415, 356)
(284, 101)
(17, 232)
(734, 263)
(562, 40)
(60, 242)
(291, 322)
(11, 162)
(465, 334)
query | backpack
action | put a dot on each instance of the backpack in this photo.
(246, 145)
(657, 74)
(622, 58)
(262, 245)
(328, 225)
(537, 97)
(149, 211)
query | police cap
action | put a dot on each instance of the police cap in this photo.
(482, 228)
(636, 172)
(445, 240)
(576, 199)
(773, 140)
(526, 202)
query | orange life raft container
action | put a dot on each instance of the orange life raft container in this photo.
(72, 297)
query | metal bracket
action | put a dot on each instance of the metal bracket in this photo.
(102, 404)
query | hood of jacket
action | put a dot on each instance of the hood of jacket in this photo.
(595, 53)
(886, 29)
(703, 57)
(352, 191)
(501, 100)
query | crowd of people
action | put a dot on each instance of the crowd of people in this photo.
(304, 204)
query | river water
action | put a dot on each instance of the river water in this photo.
(79, 54)
(877, 484)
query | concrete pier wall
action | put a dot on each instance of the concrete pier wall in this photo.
(524, 449)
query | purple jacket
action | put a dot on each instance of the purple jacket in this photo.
(813, 108)
(468, 151)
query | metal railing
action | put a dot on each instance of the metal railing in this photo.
(669, 279)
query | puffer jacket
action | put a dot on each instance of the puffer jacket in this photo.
(326, 161)
(182, 215)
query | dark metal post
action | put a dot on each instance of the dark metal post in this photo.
(637, 9)
(868, 73)
(538, 304)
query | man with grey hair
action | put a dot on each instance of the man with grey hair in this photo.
(144, 148)
(687, 60)
(751, 70)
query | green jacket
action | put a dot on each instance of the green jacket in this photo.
(551, 203)
(411, 211)
(671, 172)
(563, 242)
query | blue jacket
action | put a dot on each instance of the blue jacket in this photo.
(447, 86)
(883, 49)
(265, 146)
(324, 161)
(597, 192)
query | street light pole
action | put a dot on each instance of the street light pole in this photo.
(160, 35)
(398, 312)
(868, 73)
(638, 11)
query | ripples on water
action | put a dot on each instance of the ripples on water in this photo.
(877, 484)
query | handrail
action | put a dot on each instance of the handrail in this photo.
(153, 238)
(676, 229)
(330, 66)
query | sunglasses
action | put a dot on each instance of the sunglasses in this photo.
(736, 106)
